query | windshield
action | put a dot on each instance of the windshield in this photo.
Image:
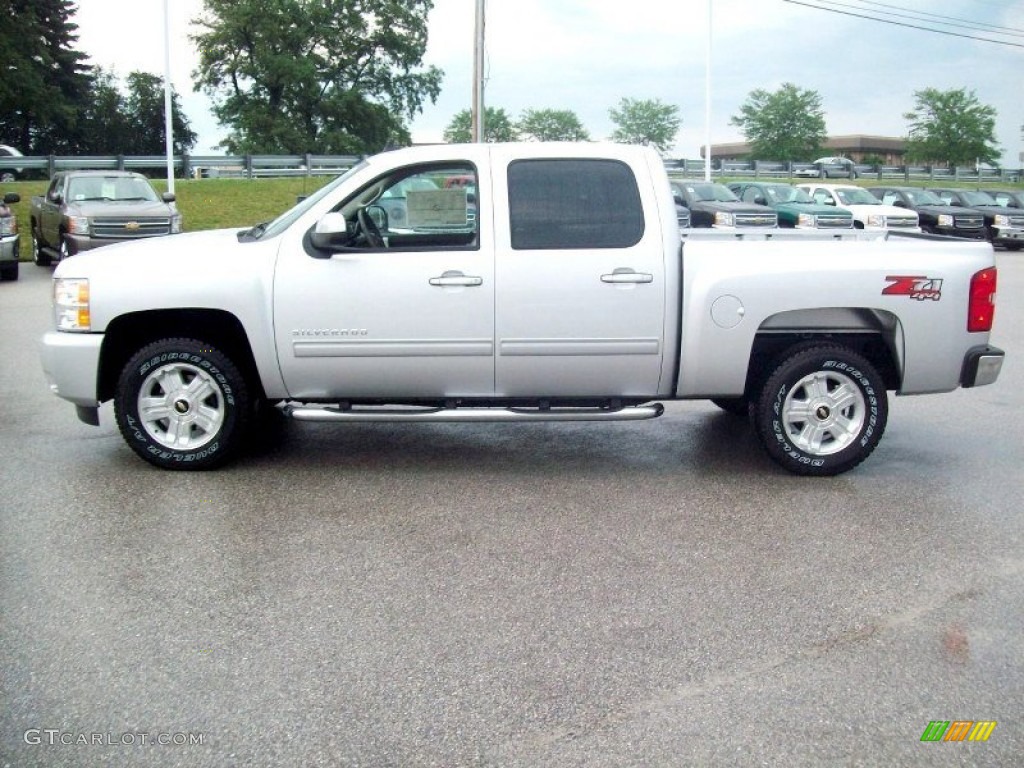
(718, 193)
(923, 197)
(978, 198)
(856, 196)
(783, 193)
(282, 222)
(110, 188)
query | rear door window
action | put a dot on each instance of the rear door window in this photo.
(573, 203)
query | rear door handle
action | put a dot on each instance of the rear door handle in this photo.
(454, 277)
(626, 275)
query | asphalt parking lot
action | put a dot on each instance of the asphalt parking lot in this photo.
(510, 595)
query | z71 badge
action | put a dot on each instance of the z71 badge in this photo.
(915, 286)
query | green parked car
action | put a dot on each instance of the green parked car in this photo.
(796, 209)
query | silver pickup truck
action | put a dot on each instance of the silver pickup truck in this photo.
(552, 287)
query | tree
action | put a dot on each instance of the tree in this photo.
(498, 126)
(787, 124)
(649, 122)
(115, 123)
(299, 76)
(46, 82)
(551, 125)
(951, 127)
(104, 126)
(144, 106)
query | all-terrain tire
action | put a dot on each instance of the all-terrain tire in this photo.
(182, 404)
(822, 410)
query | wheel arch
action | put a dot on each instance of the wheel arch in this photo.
(875, 334)
(128, 333)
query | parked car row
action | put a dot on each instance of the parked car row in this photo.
(996, 216)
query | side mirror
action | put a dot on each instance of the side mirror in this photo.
(11, 198)
(679, 199)
(331, 231)
(899, 204)
(168, 197)
(759, 200)
(56, 198)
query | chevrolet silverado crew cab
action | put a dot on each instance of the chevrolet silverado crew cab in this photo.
(868, 211)
(1003, 225)
(934, 215)
(562, 292)
(82, 210)
(795, 208)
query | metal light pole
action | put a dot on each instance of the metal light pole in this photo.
(167, 98)
(707, 103)
(477, 129)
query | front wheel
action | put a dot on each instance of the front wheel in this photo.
(182, 404)
(41, 259)
(822, 411)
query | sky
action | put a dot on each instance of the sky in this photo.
(586, 55)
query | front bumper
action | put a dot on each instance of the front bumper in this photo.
(1007, 236)
(981, 366)
(71, 363)
(963, 234)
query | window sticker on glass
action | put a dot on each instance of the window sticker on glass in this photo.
(437, 208)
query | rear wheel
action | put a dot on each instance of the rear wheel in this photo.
(822, 411)
(182, 404)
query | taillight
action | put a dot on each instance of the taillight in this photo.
(981, 309)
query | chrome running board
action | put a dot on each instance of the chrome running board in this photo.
(364, 414)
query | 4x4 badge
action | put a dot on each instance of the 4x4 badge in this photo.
(915, 286)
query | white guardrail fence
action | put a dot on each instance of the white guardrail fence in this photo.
(258, 166)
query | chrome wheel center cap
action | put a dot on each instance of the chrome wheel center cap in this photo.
(822, 412)
(182, 406)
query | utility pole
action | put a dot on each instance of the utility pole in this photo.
(707, 103)
(477, 128)
(167, 98)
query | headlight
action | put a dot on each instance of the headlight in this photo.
(876, 220)
(805, 220)
(71, 304)
(724, 219)
(8, 225)
(1002, 221)
(945, 220)
(77, 225)
(176, 224)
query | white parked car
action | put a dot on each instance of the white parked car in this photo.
(868, 211)
(828, 168)
(7, 175)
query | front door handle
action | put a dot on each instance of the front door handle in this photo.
(626, 275)
(454, 277)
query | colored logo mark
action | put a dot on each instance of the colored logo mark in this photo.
(958, 730)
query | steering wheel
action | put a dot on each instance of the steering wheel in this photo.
(370, 229)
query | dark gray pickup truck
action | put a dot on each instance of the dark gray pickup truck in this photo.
(82, 210)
